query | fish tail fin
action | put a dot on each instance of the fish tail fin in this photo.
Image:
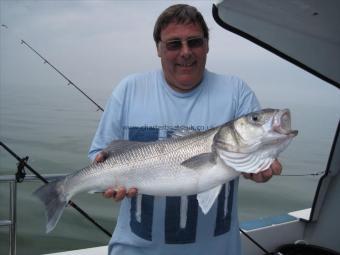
(53, 196)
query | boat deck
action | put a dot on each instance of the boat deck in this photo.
(283, 229)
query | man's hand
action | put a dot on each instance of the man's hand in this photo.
(274, 169)
(119, 193)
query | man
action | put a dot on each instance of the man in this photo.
(149, 106)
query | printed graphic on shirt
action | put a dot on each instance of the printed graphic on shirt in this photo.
(141, 216)
(224, 209)
(181, 219)
(181, 213)
(142, 206)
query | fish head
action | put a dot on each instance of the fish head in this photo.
(264, 129)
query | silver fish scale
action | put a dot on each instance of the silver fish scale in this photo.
(140, 164)
(157, 168)
(173, 150)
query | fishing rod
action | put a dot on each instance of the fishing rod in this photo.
(20, 175)
(302, 175)
(23, 42)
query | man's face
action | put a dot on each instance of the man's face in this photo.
(183, 67)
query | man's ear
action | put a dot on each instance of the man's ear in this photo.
(158, 47)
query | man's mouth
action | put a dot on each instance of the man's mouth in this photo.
(191, 64)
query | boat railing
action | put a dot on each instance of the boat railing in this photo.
(11, 221)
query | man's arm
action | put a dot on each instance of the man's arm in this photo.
(109, 129)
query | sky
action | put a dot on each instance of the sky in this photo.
(97, 43)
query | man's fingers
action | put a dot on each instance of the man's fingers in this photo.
(247, 175)
(109, 193)
(101, 156)
(259, 177)
(276, 167)
(267, 174)
(131, 192)
(120, 193)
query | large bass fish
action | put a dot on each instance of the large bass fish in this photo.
(197, 163)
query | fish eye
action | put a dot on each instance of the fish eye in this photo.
(255, 117)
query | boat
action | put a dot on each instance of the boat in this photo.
(295, 31)
(307, 34)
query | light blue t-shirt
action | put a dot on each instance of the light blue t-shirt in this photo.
(144, 108)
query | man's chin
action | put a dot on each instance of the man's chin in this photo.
(186, 85)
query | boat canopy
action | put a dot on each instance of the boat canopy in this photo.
(304, 32)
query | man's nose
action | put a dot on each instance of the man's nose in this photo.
(185, 49)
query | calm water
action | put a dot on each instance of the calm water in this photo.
(54, 126)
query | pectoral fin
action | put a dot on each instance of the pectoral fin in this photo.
(201, 160)
(206, 199)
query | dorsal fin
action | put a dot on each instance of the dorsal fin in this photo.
(181, 132)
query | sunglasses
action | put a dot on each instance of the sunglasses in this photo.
(194, 42)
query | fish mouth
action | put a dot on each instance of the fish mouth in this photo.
(282, 123)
